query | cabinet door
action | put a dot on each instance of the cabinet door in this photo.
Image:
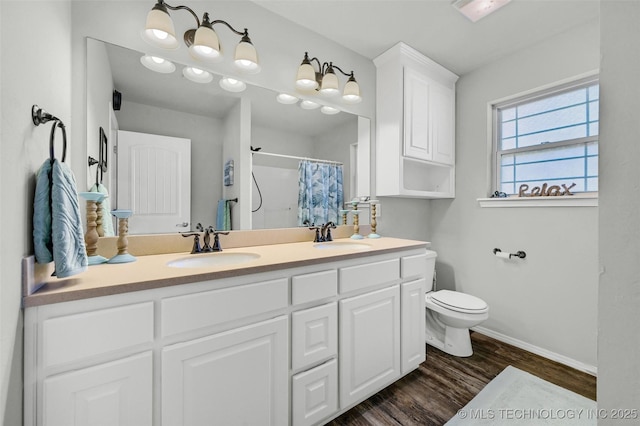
(369, 343)
(314, 335)
(417, 114)
(441, 123)
(238, 377)
(114, 393)
(413, 323)
(429, 118)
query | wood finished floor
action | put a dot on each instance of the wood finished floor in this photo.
(432, 394)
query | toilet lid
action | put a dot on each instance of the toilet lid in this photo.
(458, 301)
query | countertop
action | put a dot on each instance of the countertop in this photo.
(151, 271)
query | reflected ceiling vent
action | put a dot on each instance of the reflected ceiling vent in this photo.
(475, 10)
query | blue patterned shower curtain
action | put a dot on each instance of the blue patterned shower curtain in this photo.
(320, 194)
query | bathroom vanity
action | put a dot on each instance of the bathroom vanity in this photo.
(290, 334)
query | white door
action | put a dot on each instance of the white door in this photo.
(114, 393)
(238, 377)
(154, 181)
(369, 343)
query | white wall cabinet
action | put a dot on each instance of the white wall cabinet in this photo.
(415, 138)
(293, 346)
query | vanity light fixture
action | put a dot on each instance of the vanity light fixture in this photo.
(158, 64)
(306, 104)
(197, 75)
(475, 10)
(232, 85)
(325, 80)
(287, 99)
(203, 42)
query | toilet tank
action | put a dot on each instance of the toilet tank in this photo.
(431, 266)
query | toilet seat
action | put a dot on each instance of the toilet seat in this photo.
(459, 302)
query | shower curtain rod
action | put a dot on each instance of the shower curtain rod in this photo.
(294, 157)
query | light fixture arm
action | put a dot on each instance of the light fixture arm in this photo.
(162, 4)
(240, 33)
(350, 74)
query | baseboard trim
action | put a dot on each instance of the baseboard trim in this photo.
(590, 369)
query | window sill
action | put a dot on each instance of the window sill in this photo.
(578, 200)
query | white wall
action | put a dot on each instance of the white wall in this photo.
(31, 74)
(548, 300)
(619, 291)
(205, 134)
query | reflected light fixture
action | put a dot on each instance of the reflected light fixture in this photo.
(325, 80)
(287, 99)
(158, 64)
(329, 110)
(306, 104)
(197, 75)
(232, 84)
(475, 10)
(203, 42)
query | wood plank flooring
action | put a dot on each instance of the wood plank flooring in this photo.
(432, 394)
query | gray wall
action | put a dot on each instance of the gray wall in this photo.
(619, 291)
(31, 74)
(548, 300)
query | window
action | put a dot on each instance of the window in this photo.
(548, 137)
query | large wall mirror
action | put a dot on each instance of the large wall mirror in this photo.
(170, 106)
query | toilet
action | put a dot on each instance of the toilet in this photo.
(449, 315)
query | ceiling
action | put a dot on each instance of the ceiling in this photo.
(434, 27)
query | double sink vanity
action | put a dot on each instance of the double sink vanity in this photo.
(284, 334)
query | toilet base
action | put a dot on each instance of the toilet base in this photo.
(452, 340)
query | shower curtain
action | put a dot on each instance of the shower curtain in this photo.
(320, 194)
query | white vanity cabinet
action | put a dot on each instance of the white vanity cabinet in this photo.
(293, 346)
(415, 142)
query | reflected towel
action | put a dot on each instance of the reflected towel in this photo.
(107, 221)
(223, 217)
(57, 227)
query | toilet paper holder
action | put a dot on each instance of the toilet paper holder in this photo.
(521, 254)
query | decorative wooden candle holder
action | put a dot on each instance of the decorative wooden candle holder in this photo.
(123, 228)
(92, 235)
(374, 223)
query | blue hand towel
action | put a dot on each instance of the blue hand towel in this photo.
(107, 222)
(57, 227)
(223, 218)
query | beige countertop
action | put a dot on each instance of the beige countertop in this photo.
(151, 271)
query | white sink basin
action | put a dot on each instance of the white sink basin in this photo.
(213, 259)
(342, 245)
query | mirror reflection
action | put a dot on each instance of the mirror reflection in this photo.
(167, 125)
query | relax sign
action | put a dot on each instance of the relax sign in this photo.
(545, 190)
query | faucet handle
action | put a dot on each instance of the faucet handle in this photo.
(196, 241)
(216, 239)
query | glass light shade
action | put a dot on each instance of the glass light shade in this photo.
(232, 85)
(246, 58)
(306, 78)
(309, 105)
(197, 75)
(329, 84)
(329, 110)
(157, 64)
(351, 92)
(159, 30)
(206, 44)
(285, 98)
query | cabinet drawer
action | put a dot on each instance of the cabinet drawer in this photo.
(76, 337)
(315, 394)
(413, 266)
(369, 275)
(316, 286)
(193, 311)
(314, 335)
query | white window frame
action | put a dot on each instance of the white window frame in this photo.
(586, 199)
